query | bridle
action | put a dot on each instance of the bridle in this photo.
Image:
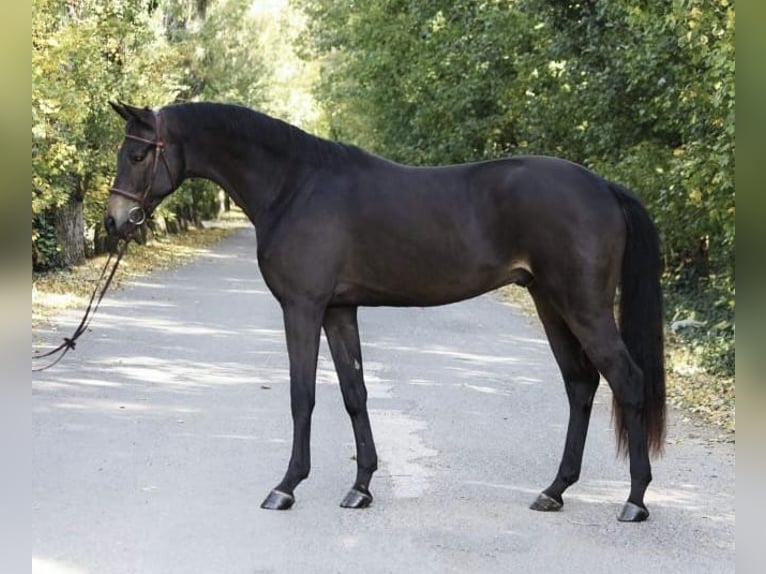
(137, 213)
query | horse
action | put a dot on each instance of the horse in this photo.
(338, 227)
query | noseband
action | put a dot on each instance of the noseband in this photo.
(137, 213)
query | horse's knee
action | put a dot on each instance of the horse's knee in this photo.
(354, 396)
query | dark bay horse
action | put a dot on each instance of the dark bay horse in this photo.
(338, 227)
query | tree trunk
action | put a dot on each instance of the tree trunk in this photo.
(102, 243)
(702, 257)
(224, 202)
(70, 231)
(158, 224)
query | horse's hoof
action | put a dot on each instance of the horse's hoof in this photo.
(356, 499)
(278, 500)
(633, 513)
(545, 503)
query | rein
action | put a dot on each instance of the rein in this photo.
(68, 344)
(136, 216)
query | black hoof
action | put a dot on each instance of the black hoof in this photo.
(545, 503)
(278, 500)
(633, 513)
(356, 499)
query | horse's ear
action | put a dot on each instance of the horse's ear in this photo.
(128, 112)
(120, 109)
(142, 115)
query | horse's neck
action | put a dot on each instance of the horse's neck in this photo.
(251, 175)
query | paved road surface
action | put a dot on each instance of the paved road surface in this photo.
(155, 442)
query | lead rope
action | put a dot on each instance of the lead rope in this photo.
(68, 344)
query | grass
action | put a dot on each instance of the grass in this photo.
(691, 385)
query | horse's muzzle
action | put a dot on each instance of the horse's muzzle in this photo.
(110, 225)
(123, 230)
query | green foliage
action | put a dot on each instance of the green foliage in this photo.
(45, 248)
(423, 82)
(83, 54)
(87, 52)
(650, 88)
(641, 92)
(711, 302)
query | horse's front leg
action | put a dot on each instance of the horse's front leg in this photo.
(302, 328)
(342, 330)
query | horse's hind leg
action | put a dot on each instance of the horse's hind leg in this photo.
(342, 330)
(602, 342)
(581, 380)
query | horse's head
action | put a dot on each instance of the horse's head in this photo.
(149, 167)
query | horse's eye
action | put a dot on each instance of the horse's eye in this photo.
(137, 157)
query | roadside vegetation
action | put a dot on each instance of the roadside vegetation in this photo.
(146, 53)
(642, 93)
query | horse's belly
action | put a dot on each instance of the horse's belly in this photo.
(425, 290)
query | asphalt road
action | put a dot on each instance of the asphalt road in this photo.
(155, 442)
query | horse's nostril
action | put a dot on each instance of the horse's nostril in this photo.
(110, 225)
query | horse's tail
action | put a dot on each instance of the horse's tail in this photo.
(641, 318)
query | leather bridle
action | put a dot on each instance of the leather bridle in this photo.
(137, 214)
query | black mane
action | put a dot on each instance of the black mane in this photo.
(243, 123)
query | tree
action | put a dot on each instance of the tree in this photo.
(424, 82)
(86, 52)
(83, 54)
(641, 92)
